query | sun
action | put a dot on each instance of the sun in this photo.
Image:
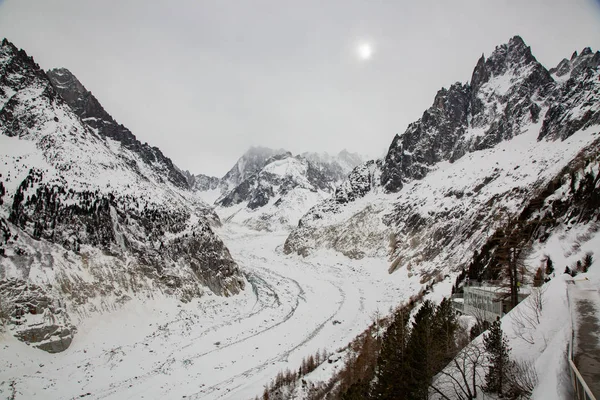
(364, 51)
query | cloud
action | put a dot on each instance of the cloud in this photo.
(205, 80)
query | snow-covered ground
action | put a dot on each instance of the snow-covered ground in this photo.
(543, 339)
(214, 347)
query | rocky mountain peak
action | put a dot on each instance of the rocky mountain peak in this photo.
(510, 94)
(349, 160)
(578, 87)
(580, 63)
(480, 151)
(251, 162)
(511, 55)
(9, 50)
(504, 93)
(18, 71)
(283, 187)
(73, 92)
(480, 74)
(91, 112)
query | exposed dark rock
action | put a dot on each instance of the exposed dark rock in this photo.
(202, 182)
(440, 133)
(35, 317)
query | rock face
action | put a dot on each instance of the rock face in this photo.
(506, 92)
(475, 158)
(37, 318)
(276, 195)
(201, 182)
(87, 211)
(249, 164)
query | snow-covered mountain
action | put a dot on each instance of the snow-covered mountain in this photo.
(89, 109)
(91, 220)
(89, 216)
(271, 189)
(476, 158)
(211, 188)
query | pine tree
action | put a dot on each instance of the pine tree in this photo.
(444, 333)
(421, 352)
(358, 391)
(392, 363)
(498, 352)
(588, 259)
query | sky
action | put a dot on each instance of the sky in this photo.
(204, 80)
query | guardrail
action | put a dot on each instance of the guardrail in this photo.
(582, 391)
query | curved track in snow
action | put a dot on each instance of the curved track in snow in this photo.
(219, 348)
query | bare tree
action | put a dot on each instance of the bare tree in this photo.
(526, 318)
(481, 322)
(513, 254)
(460, 380)
(522, 379)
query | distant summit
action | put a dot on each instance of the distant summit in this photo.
(270, 189)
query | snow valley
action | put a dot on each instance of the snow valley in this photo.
(124, 276)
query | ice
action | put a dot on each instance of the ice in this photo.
(214, 347)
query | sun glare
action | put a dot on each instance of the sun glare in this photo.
(364, 51)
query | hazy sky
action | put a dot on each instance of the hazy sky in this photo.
(204, 80)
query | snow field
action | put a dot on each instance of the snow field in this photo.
(214, 347)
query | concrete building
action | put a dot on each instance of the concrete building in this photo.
(485, 302)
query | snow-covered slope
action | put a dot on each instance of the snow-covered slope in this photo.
(88, 108)
(286, 186)
(90, 218)
(475, 159)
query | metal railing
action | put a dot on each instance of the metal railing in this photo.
(582, 391)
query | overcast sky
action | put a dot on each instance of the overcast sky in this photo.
(204, 80)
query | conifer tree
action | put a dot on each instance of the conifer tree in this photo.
(498, 352)
(358, 391)
(549, 265)
(422, 352)
(392, 363)
(444, 326)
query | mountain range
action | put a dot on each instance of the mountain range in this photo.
(91, 217)
(474, 160)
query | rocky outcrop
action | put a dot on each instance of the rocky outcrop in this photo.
(35, 317)
(506, 91)
(578, 96)
(201, 182)
(249, 164)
